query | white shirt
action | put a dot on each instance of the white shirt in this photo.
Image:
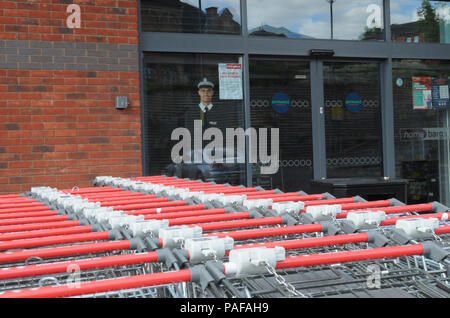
(203, 107)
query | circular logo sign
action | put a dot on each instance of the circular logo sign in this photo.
(353, 102)
(280, 103)
(399, 82)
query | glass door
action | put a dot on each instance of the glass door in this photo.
(280, 97)
(353, 122)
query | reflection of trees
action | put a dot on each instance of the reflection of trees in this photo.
(430, 26)
(428, 23)
(372, 34)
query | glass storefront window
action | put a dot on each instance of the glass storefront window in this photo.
(180, 89)
(353, 120)
(322, 19)
(280, 97)
(422, 128)
(420, 21)
(191, 16)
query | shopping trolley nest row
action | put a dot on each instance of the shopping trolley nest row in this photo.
(194, 250)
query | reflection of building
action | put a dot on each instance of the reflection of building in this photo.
(411, 33)
(177, 16)
(406, 32)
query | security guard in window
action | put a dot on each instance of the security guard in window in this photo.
(206, 111)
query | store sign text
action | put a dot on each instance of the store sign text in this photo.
(425, 134)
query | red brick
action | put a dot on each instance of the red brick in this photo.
(55, 155)
(8, 4)
(8, 36)
(19, 134)
(43, 179)
(42, 164)
(65, 133)
(31, 141)
(8, 20)
(127, 4)
(39, 14)
(19, 149)
(19, 164)
(65, 148)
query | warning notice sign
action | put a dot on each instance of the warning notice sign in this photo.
(230, 81)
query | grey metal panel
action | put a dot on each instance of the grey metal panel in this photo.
(387, 20)
(247, 119)
(244, 20)
(420, 51)
(207, 43)
(261, 45)
(387, 120)
(318, 120)
(192, 43)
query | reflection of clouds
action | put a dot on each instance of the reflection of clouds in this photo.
(350, 18)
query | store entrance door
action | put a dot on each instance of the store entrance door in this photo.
(353, 121)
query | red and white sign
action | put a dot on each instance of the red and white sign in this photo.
(230, 81)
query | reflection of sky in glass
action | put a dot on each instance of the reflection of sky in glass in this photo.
(312, 18)
(232, 5)
(404, 11)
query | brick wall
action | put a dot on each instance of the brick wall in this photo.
(58, 123)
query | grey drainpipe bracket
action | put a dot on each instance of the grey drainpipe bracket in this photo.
(201, 276)
(434, 251)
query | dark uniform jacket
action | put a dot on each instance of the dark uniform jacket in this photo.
(216, 117)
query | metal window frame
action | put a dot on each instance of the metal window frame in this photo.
(383, 51)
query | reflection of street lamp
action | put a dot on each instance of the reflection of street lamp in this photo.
(331, 14)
